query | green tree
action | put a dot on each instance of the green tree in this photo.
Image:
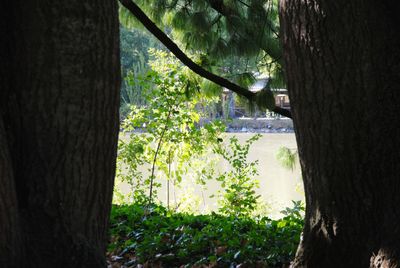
(134, 44)
(220, 30)
(204, 66)
(238, 197)
(171, 131)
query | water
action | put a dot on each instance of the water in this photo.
(278, 186)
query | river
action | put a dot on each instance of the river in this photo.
(278, 186)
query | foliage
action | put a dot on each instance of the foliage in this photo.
(287, 157)
(220, 31)
(134, 46)
(238, 197)
(159, 237)
(170, 129)
(296, 211)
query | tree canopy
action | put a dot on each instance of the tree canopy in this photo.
(224, 44)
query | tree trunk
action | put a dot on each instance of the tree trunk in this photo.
(59, 99)
(342, 66)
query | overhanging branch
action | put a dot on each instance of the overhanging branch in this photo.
(163, 38)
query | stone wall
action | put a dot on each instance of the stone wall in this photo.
(261, 125)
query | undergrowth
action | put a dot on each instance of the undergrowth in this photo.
(155, 237)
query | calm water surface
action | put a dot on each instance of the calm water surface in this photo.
(278, 186)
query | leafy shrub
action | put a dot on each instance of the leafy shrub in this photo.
(156, 237)
(239, 197)
(164, 134)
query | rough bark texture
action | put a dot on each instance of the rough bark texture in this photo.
(342, 65)
(58, 131)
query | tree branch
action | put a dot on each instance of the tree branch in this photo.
(282, 111)
(160, 35)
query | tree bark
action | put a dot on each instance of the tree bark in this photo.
(342, 66)
(59, 101)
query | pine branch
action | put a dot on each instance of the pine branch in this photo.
(221, 8)
(160, 35)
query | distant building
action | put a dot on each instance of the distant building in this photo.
(234, 110)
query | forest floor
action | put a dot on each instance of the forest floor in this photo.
(156, 237)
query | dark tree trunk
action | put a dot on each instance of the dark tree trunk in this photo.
(59, 98)
(342, 65)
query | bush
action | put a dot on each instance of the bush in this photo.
(156, 237)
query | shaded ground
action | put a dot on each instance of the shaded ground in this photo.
(156, 237)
